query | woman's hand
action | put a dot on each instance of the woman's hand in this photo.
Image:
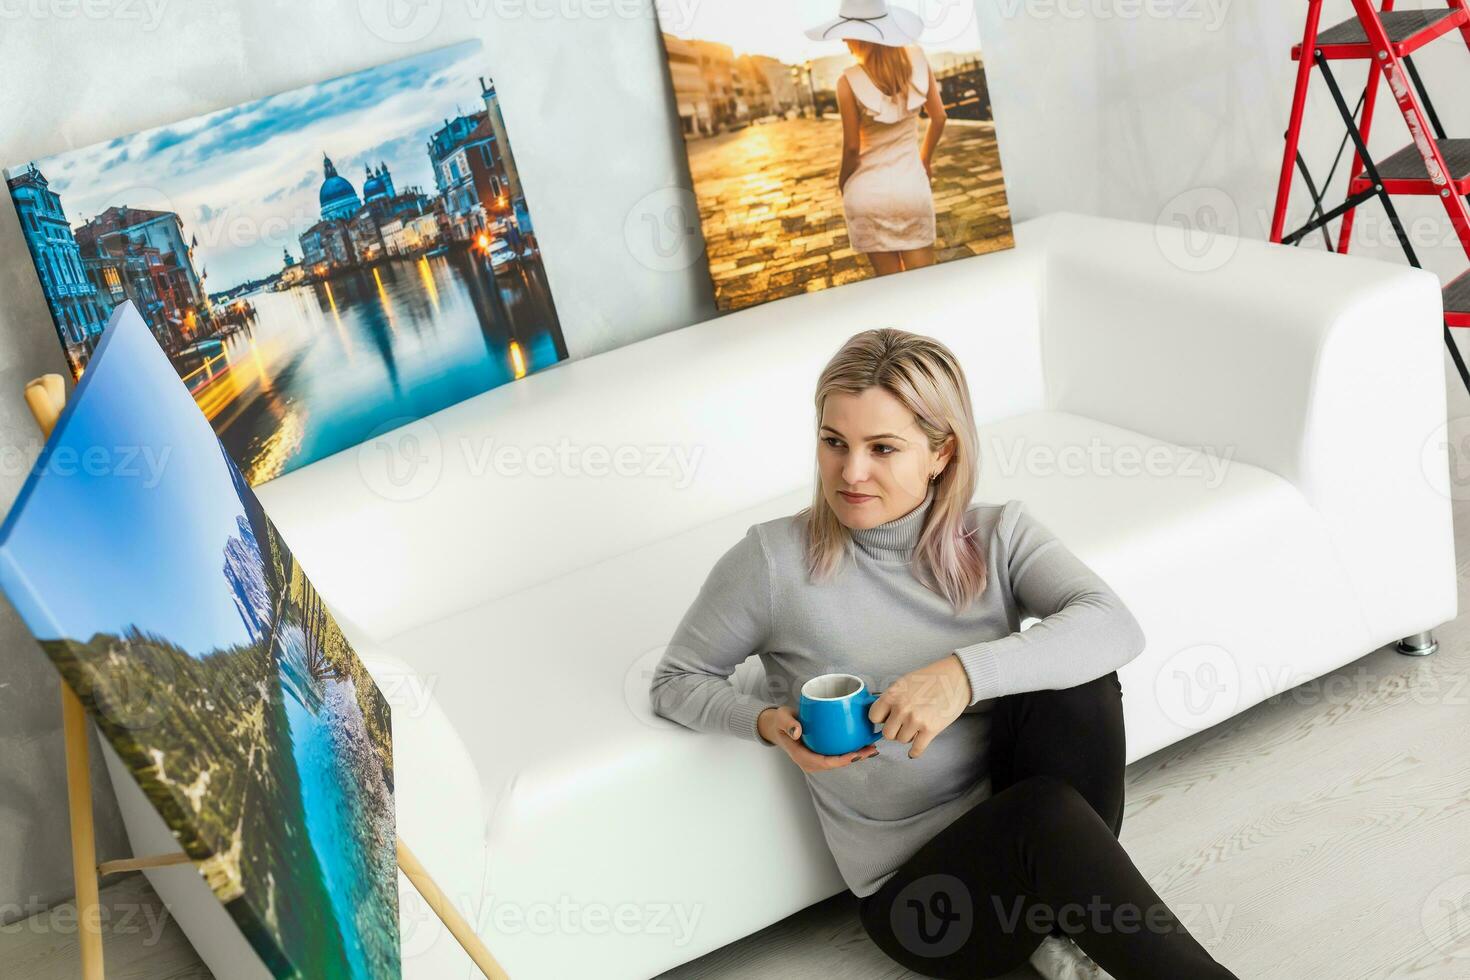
(781, 726)
(922, 703)
(928, 167)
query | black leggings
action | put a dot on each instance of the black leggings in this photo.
(1041, 855)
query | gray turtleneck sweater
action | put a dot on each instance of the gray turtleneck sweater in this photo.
(876, 620)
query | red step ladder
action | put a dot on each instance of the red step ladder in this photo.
(1431, 164)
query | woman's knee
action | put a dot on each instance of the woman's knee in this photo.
(1106, 689)
(1089, 707)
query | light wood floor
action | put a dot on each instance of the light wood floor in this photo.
(1327, 831)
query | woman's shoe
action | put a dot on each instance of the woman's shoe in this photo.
(1058, 958)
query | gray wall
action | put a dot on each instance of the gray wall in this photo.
(1155, 110)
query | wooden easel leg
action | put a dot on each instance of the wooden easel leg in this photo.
(46, 395)
(448, 914)
(83, 839)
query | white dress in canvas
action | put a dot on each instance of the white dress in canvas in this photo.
(887, 201)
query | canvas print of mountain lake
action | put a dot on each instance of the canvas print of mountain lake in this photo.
(143, 563)
(320, 265)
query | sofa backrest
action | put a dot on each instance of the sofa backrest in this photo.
(594, 457)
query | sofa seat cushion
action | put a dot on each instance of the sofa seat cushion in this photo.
(693, 840)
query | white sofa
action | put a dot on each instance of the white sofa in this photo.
(1313, 528)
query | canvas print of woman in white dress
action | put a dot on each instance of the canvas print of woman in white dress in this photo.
(887, 199)
(830, 141)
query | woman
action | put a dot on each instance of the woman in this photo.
(983, 832)
(884, 177)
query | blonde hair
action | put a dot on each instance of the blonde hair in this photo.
(927, 379)
(888, 66)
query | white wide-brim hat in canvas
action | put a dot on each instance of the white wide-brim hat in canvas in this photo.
(871, 20)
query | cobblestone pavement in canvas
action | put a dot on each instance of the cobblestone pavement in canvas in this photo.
(772, 215)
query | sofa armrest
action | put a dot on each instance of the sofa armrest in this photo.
(1325, 369)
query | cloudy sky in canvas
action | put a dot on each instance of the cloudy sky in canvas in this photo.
(246, 180)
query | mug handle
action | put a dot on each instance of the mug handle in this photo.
(868, 698)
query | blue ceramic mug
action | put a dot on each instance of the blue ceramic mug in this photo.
(834, 714)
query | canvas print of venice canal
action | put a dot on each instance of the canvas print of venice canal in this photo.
(140, 559)
(320, 266)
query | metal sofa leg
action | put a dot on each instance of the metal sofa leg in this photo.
(1418, 645)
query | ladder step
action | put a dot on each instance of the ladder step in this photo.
(1409, 30)
(1404, 173)
(1457, 302)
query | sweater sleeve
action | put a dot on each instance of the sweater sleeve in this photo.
(729, 620)
(1084, 630)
